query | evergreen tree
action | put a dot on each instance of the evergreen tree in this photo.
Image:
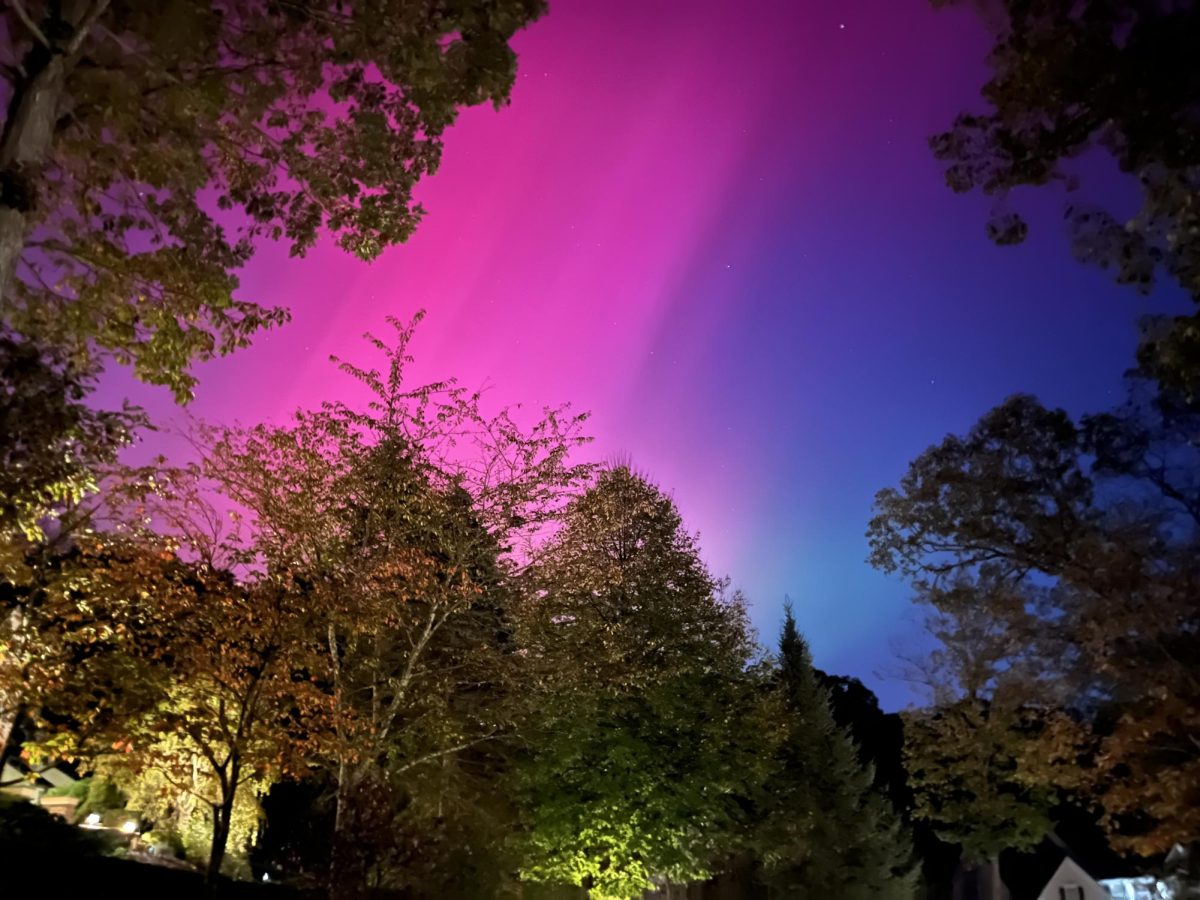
(826, 831)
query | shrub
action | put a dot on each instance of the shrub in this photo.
(31, 834)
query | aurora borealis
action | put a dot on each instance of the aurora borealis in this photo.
(717, 226)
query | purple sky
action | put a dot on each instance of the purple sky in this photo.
(716, 225)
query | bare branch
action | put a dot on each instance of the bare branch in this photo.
(27, 21)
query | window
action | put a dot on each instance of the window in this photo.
(1070, 892)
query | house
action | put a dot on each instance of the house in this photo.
(17, 779)
(1058, 875)
(1071, 882)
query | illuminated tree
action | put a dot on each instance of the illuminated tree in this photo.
(51, 443)
(652, 735)
(236, 711)
(169, 783)
(144, 663)
(52, 447)
(72, 638)
(399, 528)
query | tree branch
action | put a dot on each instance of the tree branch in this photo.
(85, 26)
(447, 751)
(27, 21)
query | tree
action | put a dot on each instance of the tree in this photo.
(825, 830)
(170, 784)
(651, 739)
(357, 612)
(992, 757)
(135, 131)
(52, 448)
(976, 773)
(110, 633)
(1120, 77)
(51, 443)
(878, 736)
(1059, 561)
(880, 739)
(75, 649)
(399, 528)
(235, 711)
(164, 673)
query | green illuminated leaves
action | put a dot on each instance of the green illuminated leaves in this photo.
(652, 732)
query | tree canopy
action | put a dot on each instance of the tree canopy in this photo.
(1058, 560)
(147, 148)
(1117, 77)
(646, 754)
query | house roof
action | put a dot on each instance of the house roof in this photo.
(17, 774)
(1027, 874)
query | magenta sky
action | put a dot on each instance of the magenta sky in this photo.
(715, 224)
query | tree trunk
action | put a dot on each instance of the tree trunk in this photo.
(994, 887)
(8, 725)
(29, 125)
(220, 837)
(345, 877)
(12, 705)
(23, 150)
(222, 815)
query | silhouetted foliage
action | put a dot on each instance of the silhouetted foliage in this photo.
(1121, 77)
(128, 122)
(1058, 560)
(825, 829)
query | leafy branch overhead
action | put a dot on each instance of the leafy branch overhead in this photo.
(149, 147)
(1068, 78)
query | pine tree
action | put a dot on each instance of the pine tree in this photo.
(826, 831)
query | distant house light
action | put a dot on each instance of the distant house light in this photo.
(1143, 888)
(92, 820)
(129, 827)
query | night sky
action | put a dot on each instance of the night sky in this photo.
(717, 225)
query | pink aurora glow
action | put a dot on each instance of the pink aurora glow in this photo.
(715, 224)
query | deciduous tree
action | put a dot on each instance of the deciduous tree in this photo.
(651, 741)
(1119, 77)
(52, 449)
(1060, 562)
(146, 147)
(400, 527)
